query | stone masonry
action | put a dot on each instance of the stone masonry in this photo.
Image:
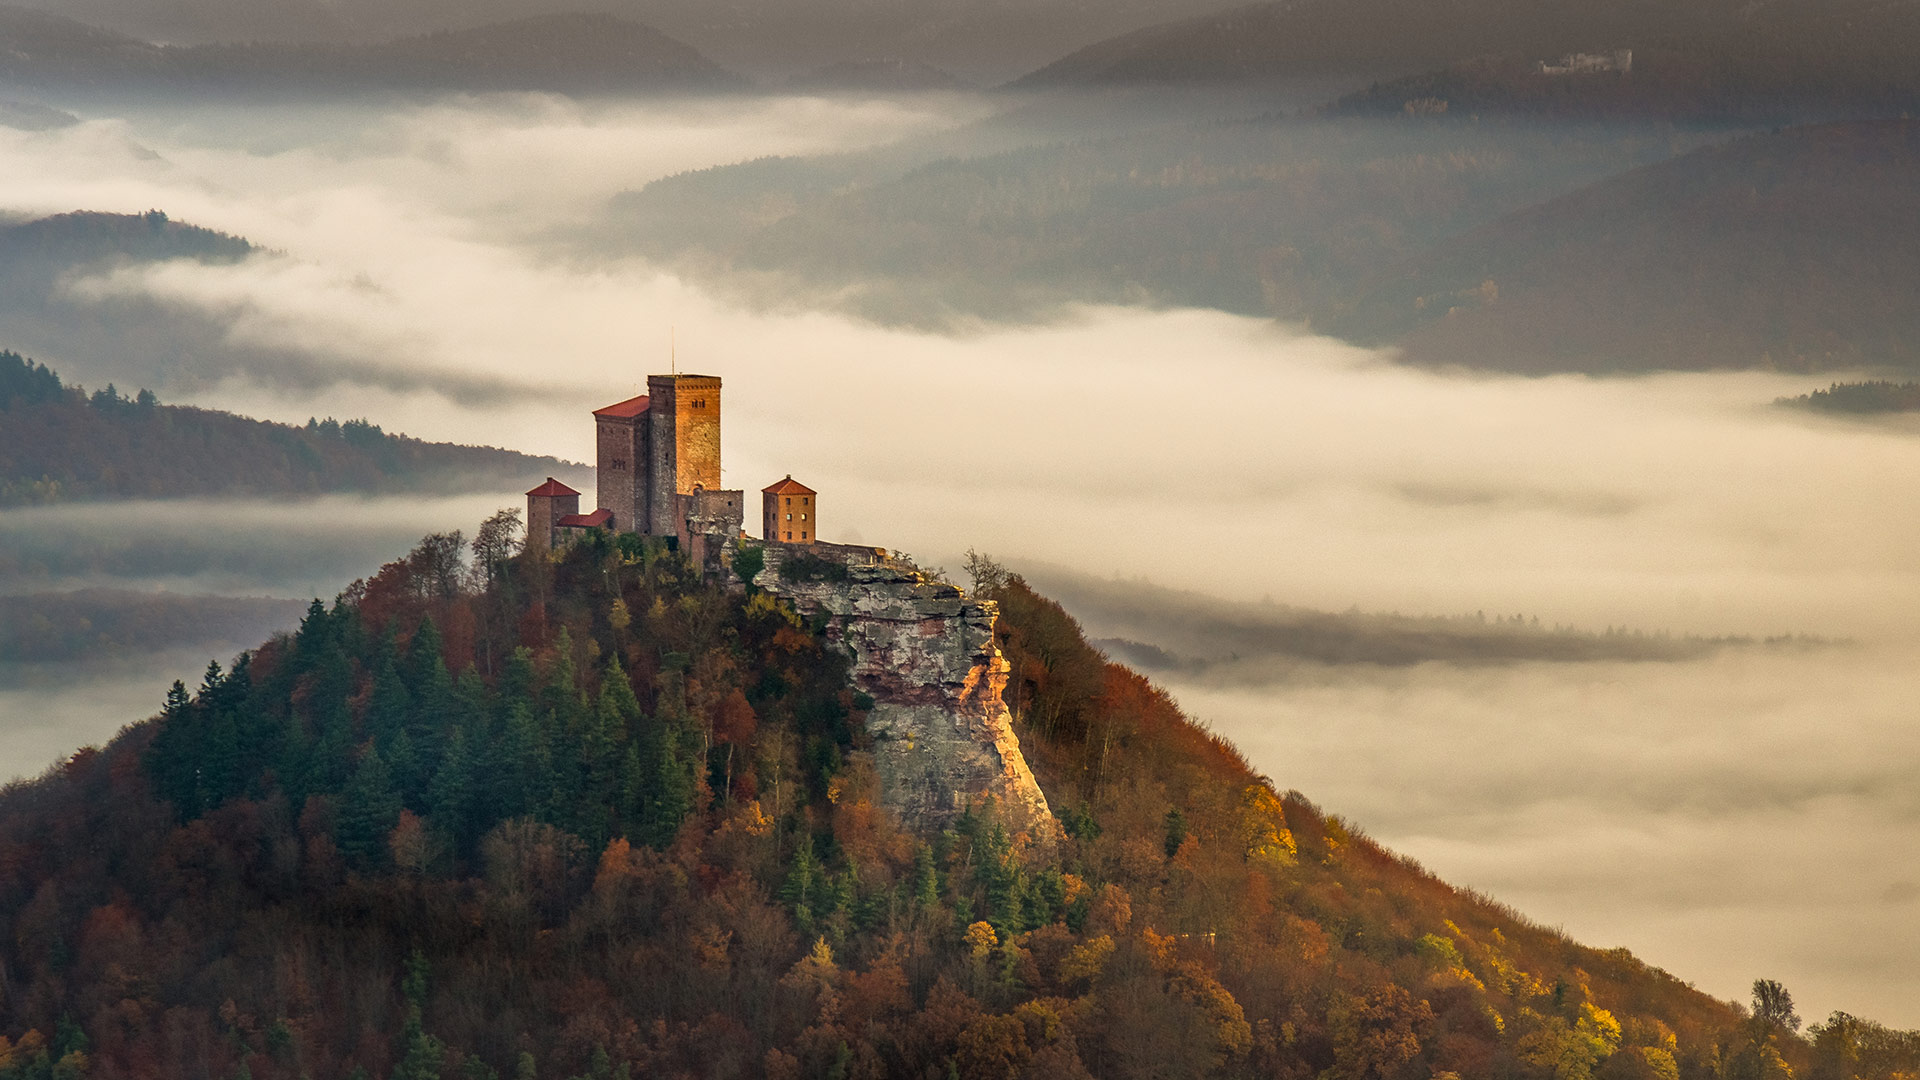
(943, 739)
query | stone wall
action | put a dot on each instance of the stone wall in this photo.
(943, 739)
(708, 521)
(685, 442)
(622, 450)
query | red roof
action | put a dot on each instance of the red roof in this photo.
(597, 519)
(552, 488)
(625, 410)
(789, 486)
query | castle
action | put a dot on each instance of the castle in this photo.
(657, 473)
(942, 739)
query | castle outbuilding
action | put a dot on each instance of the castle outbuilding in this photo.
(789, 512)
(546, 506)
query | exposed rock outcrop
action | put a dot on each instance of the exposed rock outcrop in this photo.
(943, 739)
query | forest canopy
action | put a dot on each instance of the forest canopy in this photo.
(60, 443)
(498, 814)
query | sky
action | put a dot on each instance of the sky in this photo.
(1745, 815)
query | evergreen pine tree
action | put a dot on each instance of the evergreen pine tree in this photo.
(392, 702)
(802, 890)
(525, 778)
(369, 808)
(452, 797)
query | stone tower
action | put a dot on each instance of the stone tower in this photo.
(623, 448)
(684, 445)
(789, 512)
(546, 505)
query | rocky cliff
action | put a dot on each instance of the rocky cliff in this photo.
(943, 739)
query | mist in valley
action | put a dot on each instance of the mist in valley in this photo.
(1175, 475)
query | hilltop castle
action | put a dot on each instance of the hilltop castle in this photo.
(942, 739)
(657, 473)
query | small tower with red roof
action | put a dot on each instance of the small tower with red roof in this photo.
(790, 512)
(546, 505)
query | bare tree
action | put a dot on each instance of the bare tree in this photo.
(1773, 1006)
(437, 565)
(498, 540)
(989, 577)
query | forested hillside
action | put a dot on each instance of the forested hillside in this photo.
(1861, 398)
(598, 817)
(1772, 47)
(1786, 250)
(571, 53)
(57, 442)
(1271, 216)
(31, 250)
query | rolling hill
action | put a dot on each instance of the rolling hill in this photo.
(1789, 250)
(58, 443)
(565, 53)
(599, 817)
(1767, 50)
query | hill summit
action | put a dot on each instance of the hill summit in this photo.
(595, 813)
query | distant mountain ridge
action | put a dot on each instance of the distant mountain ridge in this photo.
(1788, 250)
(1769, 46)
(567, 53)
(61, 241)
(58, 444)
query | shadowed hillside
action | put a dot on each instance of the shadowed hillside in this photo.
(567, 53)
(58, 443)
(1788, 250)
(1271, 216)
(1782, 45)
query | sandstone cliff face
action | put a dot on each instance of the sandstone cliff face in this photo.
(942, 736)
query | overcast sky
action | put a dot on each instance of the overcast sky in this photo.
(1747, 815)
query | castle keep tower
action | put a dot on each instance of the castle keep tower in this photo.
(789, 512)
(684, 441)
(658, 469)
(624, 444)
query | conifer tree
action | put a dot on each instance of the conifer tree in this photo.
(526, 776)
(369, 808)
(453, 795)
(391, 703)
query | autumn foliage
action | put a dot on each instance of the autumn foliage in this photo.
(598, 817)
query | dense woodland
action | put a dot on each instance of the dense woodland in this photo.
(1272, 216)
(1779, 48)
(579, 53)
(58, 443)
(1874, 396)
(598, 817)
(1782, 250)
